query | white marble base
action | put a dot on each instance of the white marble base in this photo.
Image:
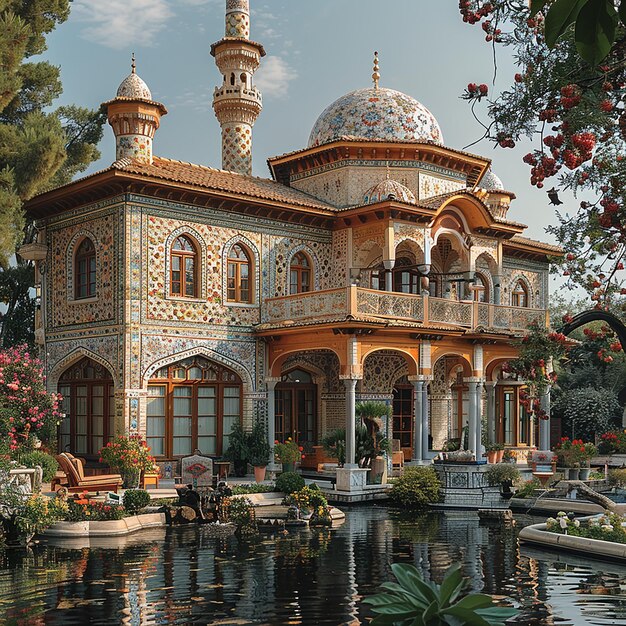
(351, 478)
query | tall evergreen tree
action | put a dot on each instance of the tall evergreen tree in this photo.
(39, 147)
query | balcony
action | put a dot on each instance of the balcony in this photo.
(371, 305)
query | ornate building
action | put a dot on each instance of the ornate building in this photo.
(178, 299)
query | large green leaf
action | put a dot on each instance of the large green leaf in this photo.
(475, 601)
(595, 30)
(410, 579)
(622, 11)
(451, 586)
(418, 599)
(536, 6)
(561, 14)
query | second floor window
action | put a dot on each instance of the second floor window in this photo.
(183, 268)
(519, 295)
(85, 270)
(481, 293)
(239, 288)
(300, 274)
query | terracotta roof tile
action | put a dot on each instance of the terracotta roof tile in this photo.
(220, 180)
(533, 243)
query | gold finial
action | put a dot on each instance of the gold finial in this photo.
(133, 65)
(376, 75)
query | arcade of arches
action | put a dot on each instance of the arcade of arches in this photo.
(193, 404)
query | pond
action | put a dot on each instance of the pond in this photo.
(181, 576)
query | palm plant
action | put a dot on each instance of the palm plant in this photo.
(413, 601)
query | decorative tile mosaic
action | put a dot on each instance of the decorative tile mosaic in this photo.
(376, 114)
(381, 370)
(237, 147)
(433, 186)
(134, 147)
(63, 310)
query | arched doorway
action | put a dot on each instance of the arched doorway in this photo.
(296, 411)
(88, 406)
(403, 415)
(192, 404)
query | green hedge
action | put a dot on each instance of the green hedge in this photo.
(416, 488)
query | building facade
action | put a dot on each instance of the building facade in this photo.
(376, 263)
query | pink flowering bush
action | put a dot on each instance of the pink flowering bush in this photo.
(128, 454)
(28, 412)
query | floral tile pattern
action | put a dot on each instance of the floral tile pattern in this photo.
(383, 114)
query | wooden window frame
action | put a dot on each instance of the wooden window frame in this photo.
(517, 410)
(171, 383)
(107, 385)
(237, 264)
(481, 279)
(291, 387)
(515, 295)
(87, 259)
(300, 270)
(183, 255)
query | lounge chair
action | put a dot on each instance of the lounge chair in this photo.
(77, 481)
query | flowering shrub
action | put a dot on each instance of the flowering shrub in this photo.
(82, 509)
(605, 527)
(572, 453)
(309, 501)
(288, 452)
(613, 442)
(27, 411)
(535, 350)
(127, 454)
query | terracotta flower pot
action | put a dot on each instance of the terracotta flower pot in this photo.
(499, 456)
(259, 473)
(492, 456)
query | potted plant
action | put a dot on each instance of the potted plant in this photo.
(504, 475)
(492, 451)
(589, 452)
(288, 454)
(129, 456)
(258, 451)
(237, 450)
(373, 414)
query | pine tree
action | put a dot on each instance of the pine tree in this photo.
(39, 148)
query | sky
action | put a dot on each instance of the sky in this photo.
(317, 50)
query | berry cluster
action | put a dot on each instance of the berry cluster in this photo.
(473, 17)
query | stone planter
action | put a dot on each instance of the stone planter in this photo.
(289, 467)
(131, 478)
(584, 473)
(108, 528)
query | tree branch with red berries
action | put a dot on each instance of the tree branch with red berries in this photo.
(568, 99)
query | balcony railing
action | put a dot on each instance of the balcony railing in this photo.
(359, 303)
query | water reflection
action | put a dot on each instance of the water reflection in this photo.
(182, 576)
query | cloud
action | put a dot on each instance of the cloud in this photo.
(121, 24)
(274, 76)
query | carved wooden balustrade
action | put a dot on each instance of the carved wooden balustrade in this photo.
(363, 303)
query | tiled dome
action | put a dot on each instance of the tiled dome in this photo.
(134, 87)
(491, 182)
(383, 114)
(388, 190)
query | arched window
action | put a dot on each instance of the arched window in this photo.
(406, 278)
(88, 408)
(300, 274)
(239, 288)
(481, 288)
(85, 270)
(183, 268)
(519, 295)
(192, 404)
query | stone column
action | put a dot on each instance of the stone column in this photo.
(544, 424)
(417, 420)
(491, 410)
(350, 384)
(472, 416)
(425, 412)
(271, 418)
(388, 264)
(496, 289)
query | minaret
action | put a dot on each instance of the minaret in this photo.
(134, 117)
(237, 102)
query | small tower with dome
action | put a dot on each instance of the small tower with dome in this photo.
(496, 196)
(134, 117)
(237, 102)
